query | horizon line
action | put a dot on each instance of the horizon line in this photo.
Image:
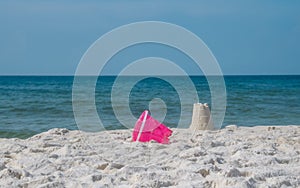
(69, 75)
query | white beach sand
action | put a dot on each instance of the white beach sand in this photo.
(232, 157)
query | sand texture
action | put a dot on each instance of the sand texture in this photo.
(262, 156)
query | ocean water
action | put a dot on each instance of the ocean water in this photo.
(33, 104)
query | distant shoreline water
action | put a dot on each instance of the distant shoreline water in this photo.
(33, 104)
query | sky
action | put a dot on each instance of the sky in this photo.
(260, 37)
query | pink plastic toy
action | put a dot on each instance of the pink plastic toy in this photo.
(147, 128)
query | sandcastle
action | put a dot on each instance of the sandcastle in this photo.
(201, 117)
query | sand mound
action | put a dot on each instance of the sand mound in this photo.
(231, 157)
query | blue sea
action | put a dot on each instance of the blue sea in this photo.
(33, 104)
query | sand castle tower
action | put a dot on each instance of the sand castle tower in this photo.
(201, 117)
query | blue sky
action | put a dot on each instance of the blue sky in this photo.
(246, 37)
